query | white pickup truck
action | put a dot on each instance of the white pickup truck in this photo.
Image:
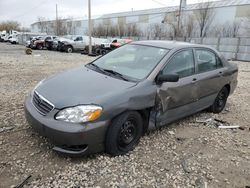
(77, 43)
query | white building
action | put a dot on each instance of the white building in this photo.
(225, 13)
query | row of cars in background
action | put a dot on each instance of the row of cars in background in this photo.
(72, 43)
(11, 37)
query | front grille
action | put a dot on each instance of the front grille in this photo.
(41, 104)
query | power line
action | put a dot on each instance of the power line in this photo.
(158, 2)
(32, 9)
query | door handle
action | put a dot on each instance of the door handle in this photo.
(221, 73)
(194, 80)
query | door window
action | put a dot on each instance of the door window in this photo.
(206, 60)
(182, 64)
(78, 39)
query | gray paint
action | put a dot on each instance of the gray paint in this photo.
(164, 102)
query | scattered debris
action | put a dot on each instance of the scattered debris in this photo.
(242, 128)
(185, 166)
(229, 127)
(204, 121)
(200, 183)
(220, 121)
(6, 129)
(24, 182)
(171, 132)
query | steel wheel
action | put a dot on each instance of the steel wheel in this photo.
(124, 133)
(127, 133)
(220, 101)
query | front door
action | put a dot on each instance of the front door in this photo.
(175, 99)
(79, 44)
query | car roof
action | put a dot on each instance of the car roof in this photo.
(167, 44)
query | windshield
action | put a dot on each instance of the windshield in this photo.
(133, 61)
(107, 40)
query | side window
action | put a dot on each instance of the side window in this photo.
(78, 39)
(206, 60)
(182, 64)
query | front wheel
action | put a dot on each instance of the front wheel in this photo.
(124, 133)
(39, 47)
(220, 101)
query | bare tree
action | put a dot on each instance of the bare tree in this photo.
(172, 24)
(121, 29)
(157, 30)
(132, 30)
(229, 29)
(42, 24)
(9, 25)
(189, 25)
(204, 17)
(98, 31)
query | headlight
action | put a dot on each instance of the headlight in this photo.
(79, 114)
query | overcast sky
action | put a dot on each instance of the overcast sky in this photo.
(27, 11)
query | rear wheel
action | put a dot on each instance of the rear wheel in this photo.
(124, 133)
(69, 49)
(220, 101)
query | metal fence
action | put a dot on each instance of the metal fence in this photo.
(231, 48)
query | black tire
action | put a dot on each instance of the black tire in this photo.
(124, 133)
(220, 101)
(103, 52)
(69, 49)
(39, 47)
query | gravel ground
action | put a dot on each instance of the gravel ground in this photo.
(192, 152)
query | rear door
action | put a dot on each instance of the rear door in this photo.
(210, 76)
(175, 99)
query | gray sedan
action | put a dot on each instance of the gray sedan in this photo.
(108, 104)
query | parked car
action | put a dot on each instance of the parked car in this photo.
(32, 40)
(6, 38)
(111, 44)
(119, 42)
(70, 45)
(14, 40)
(50, 41)
(109, 103)
(41, 43)
(2, 35)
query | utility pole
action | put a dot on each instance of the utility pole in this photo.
(90, 29)
(56, 21)
(179, 18)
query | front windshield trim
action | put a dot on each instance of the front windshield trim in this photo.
(133, 79)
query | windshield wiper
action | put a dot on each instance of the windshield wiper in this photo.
(116, 74)
(108, 71)
(96, 67)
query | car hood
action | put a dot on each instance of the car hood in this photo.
(81, 86)
(66, 41)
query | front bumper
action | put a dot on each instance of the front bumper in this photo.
(68, 138)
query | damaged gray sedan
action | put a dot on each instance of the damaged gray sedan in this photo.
(108, 104)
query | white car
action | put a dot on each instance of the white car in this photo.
(13, 40)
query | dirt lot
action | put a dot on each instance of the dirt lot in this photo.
(187, 153)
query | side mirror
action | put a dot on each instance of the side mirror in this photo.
(167, 78)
